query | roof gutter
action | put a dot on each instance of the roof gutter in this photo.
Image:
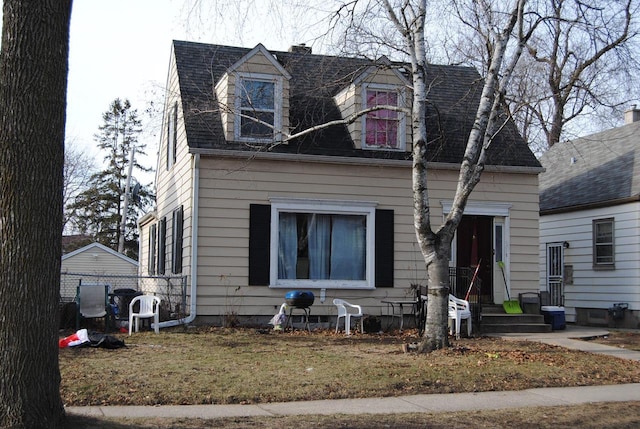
(348, 160)
(588, 206)
(194, 248)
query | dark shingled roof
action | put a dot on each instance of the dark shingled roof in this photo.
(599, 169)
(315, 79)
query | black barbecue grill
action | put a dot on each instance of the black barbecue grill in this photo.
(300, 300)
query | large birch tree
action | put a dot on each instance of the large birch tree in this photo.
(506, 29)
(506, 35)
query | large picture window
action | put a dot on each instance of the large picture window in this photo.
(258, 107)
(382, 128)
(322, 244)
(603, 244)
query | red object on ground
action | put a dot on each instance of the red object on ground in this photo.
(80, 337)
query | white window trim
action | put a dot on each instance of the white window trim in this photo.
(367, 208)
(402, 123)
(277, 113)
(597, 266)
(479, 208)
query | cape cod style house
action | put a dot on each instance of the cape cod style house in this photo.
(590, 226)
(248, 215)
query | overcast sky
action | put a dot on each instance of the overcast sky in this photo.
(121, 48)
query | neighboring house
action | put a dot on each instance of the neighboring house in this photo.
(99, 262)
(247, 218)
(590, 225)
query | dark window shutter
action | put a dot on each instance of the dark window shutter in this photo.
(384, 248)
(174, 137)
(152, 250)
(162, 245)
(178, 228)
(259, 242)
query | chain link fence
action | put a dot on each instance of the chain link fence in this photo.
(172, 290)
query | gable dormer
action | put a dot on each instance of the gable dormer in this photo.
(384, 129)
(253, 97)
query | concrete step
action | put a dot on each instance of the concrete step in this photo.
(495, 323)
(487, 328)
(510, 319)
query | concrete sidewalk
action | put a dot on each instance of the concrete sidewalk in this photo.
(415, 403)
(401, 404)
(569, 338)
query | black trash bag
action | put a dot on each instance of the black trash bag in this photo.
(105, 341)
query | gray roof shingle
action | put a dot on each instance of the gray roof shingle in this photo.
(599, 169)
(315, 79)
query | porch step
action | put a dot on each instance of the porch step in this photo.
(495, 323)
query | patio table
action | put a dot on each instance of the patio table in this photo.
(395, 308)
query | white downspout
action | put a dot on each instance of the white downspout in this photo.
(194, 248)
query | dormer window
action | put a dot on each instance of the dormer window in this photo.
(383, 129)
(258, 107)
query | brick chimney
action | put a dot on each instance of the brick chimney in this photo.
(631, 115)
(300, 49)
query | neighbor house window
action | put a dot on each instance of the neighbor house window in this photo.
(382, 128)
(603, 244)
(316, 244)
(258, 107)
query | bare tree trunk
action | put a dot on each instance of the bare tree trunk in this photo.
(33, 81)
(436, 333)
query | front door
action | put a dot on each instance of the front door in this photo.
(474, 245)
(555, 273)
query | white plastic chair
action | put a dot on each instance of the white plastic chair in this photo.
(149, 307)
(459, 310)
(347, 311)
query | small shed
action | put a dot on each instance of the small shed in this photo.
(94, 259)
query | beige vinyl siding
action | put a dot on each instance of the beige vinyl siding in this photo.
(173, 186)
(228, 187)
(97, 261)
(225, 88)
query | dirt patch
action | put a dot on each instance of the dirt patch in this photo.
(622, 339)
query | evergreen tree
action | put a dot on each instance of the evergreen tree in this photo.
(99, 209)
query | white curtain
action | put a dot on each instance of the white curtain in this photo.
(348, 248)
(319, 229)
(288, 246)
